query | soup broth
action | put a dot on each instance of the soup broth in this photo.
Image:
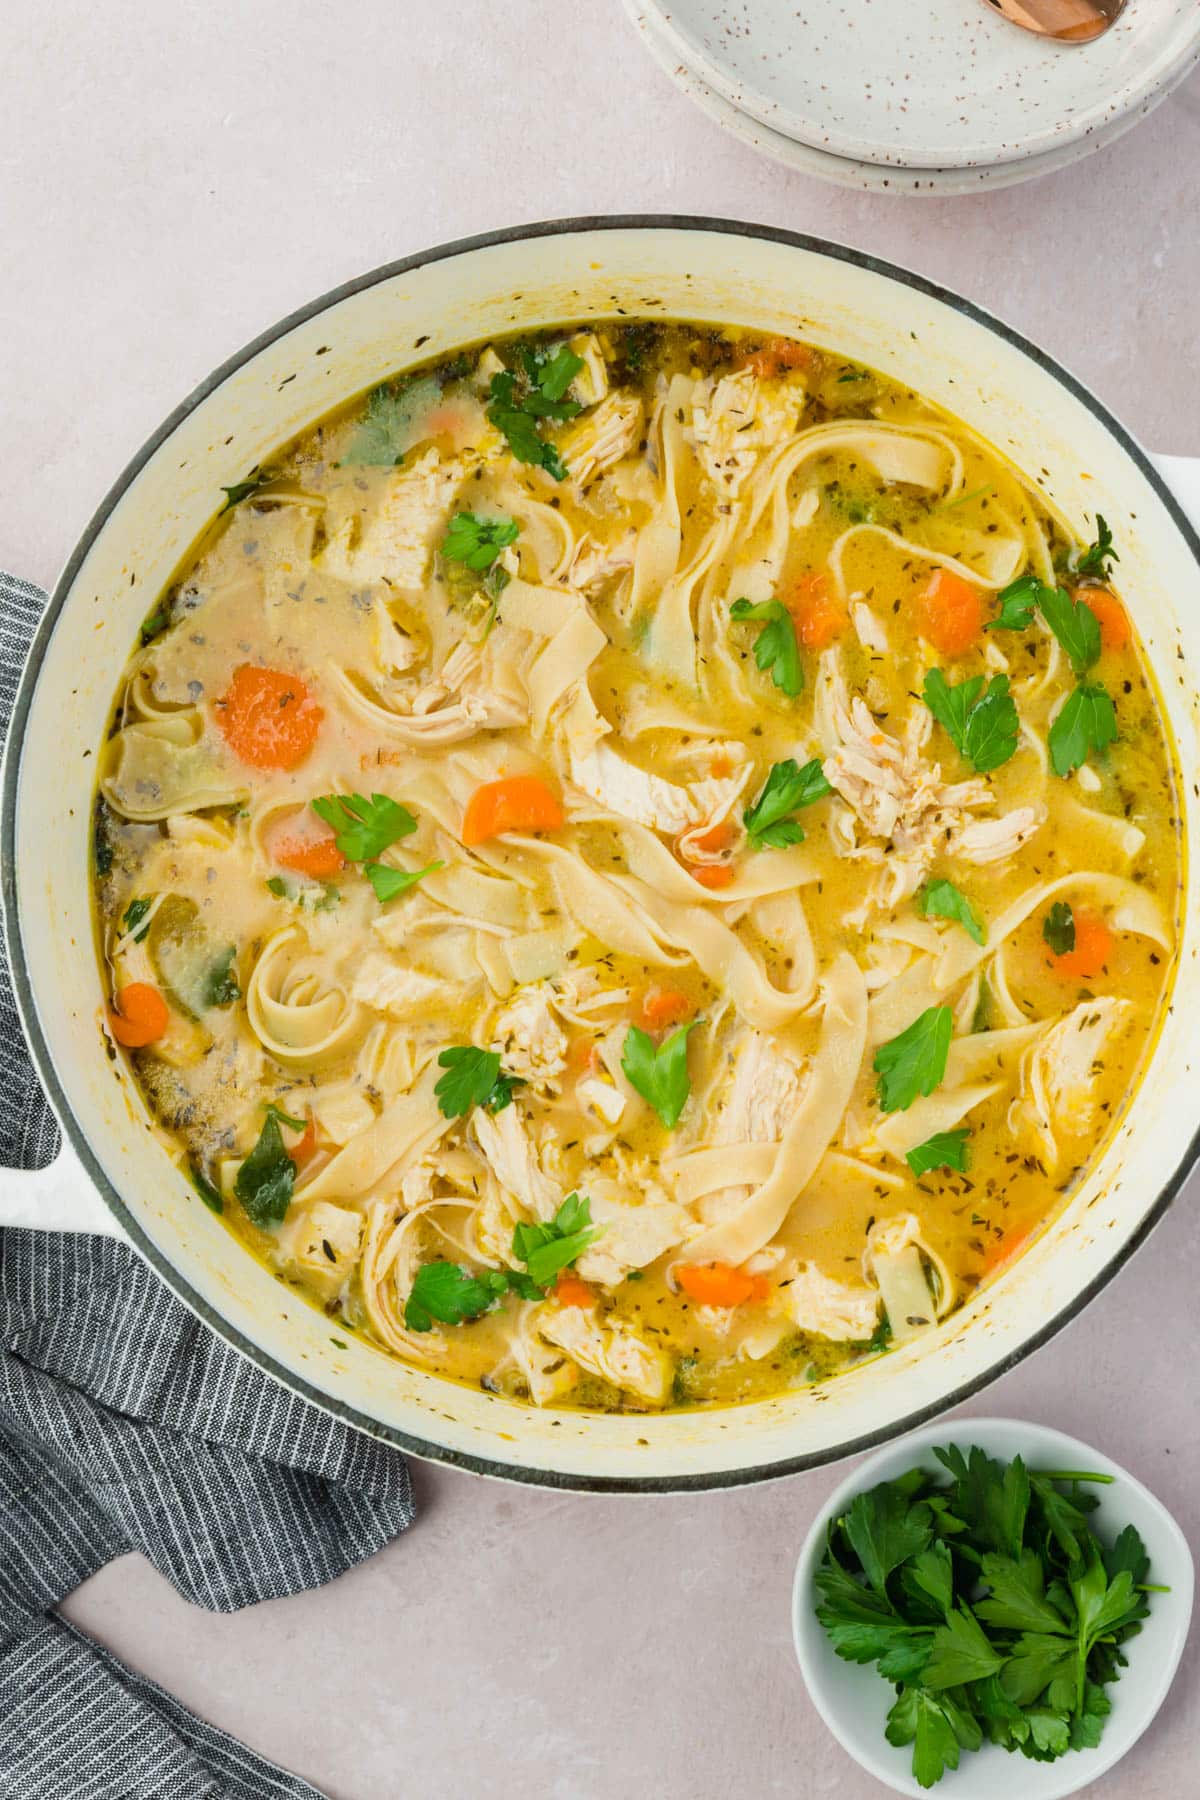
(637, 866)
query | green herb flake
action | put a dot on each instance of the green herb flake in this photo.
(266, 1178)
(1017, 603)
(133, 916)
(983, 725)
(776, 647)
(389, 882)
(451, 1294)
(477, 542)
(1096, 558)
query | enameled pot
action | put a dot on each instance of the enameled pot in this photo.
(526, 278)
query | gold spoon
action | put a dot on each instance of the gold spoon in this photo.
(1068, 21)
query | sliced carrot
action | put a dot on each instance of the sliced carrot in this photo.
(304, 1146)
(719, 1284)
(268, 718)
(718, 837)
(569, 1290)
(1115, 629)
(819, 617)
(318, 857)
(581, 1054)
(949, 613)
(776, 355)
(140, 1015)
(1094, 945)
(1004, 1249)
(720, 766)
(663, 1006)
(517, 803)
(712, 875)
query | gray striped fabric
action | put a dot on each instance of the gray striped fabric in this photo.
(126, 1425)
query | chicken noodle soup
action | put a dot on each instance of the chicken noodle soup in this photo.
(636, 867)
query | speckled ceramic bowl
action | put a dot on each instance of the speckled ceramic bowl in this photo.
(527, 278)
(943, 85)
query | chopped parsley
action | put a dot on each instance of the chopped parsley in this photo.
(220, 983)
(942, 900)
(915, 1062)
(983, 725)
(1097, 557)
(1058, 929)
(659, 1073)
(548, 1249)
(1087, 723)
(990, 1603)
(322, 897)
(1017, 603)
(134, 914)
(365, 828)
(451, 1294)
(944, 1150)
(477, 542)
(266, 1178)
(788, 787)
(473, 1078)
(242, 490)
(776, 648)
(389, 882)
(1074, 624)
(519, 399)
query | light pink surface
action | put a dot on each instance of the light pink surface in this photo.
(173, 179)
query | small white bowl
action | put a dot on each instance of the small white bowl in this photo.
(854, 1700)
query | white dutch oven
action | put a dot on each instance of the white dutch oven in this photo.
(531, 277)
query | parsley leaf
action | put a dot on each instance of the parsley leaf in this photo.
(788, 787)
(365, 828)
(448, 1292)
(211, 1196)
(1096, 558)
(1017, 602)
(961, 1652)
(936, 1727)
(1087, 722)
(472, 1079)
(659, 1075)
(885, 1529)
(1017, 1598)
(915, 1062)
(1074, 625)
(1058, 928)
(944, 1150)
(389, 882)
(942, 900)
(477, 542)
(220, 983)
(547, 1249)
(266, 1178)
(135, 912)
(983, 726)
(242, 490)
(318, 897)
(775, 647)
(516, 405)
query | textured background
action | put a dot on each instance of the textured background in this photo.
(171, 181)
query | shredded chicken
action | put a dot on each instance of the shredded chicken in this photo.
(393, 987)
(602, 437)
(529, 1037)
(321, 1243)
(398, 538)
(610, 1349)
(816, 1303)
(990, 840)
(636, 1231)
(1059, 1098)
(512, 1157)
(736, 418)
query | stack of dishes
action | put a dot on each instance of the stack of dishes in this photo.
(942, 98)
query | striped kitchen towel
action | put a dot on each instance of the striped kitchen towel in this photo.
(126, 1425)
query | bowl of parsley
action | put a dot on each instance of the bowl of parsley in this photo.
(989, 1589)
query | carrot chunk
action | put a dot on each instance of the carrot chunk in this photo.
(1094, 945)
(268, 718)
(719, 1284)
(776, 355)
(949, 613)
(517, 803)
(140, 1015)
(718, 837)
(1113, 620)
(819, 618)
(318, 857)
(1005, 1249)
(569, 1290)
(663, 1006)
(712, 875)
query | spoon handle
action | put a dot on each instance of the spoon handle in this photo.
(1068, 21)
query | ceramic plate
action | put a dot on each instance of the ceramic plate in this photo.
(946, 84)
(844, 171)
